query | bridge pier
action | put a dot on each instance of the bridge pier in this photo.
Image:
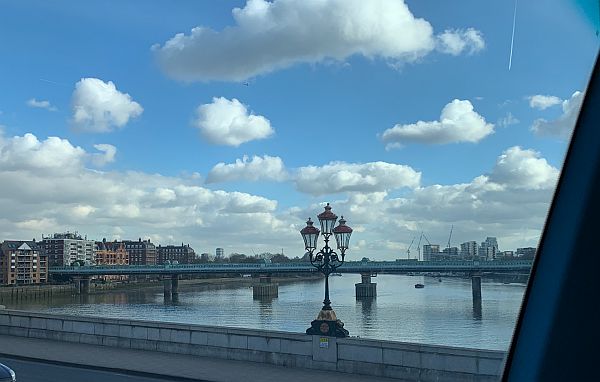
(82, 285)
(476, 289)
(265, 288)
(366, 289)
(175, 287)
(171, 287)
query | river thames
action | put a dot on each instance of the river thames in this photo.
(441, 313)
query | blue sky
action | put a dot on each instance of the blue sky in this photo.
(325, 98)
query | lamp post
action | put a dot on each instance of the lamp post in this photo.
(327, 261)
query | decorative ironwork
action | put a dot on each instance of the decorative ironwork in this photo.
(326, 261)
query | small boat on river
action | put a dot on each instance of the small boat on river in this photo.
(419, 286)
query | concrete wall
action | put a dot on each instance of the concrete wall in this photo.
(413, 362)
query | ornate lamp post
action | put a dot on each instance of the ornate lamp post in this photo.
(327, 261)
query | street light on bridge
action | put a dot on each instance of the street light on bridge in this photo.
(327, 261)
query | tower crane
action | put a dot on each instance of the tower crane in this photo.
(426, 239)
(450, 237)
(409, 247)
(419, 246)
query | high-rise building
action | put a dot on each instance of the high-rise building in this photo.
(22, 263)
(468, 249)
(183, 254)
(489, 249)
(219, 253)
(430, 251)
(63, 249)
(141, 252)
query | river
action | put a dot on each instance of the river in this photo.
(441, 313)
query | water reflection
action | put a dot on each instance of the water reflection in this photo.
(368, 310)
(477, 310)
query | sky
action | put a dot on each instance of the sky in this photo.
(228, 124)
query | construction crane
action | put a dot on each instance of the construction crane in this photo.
(426, 239)
(450, 237)
(419, 246)
(409, 247)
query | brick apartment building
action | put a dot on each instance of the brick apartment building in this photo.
(183, 254)
(22, 263)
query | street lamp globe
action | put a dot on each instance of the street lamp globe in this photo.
(310, 234)
(327, 220)
(342, 235)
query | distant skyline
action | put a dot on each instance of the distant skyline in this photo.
(228, 124)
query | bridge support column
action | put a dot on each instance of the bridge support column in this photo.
(476, 288)
(265, 288)
(175, 287)
(366, 289)
(168, 287)
(82, 285)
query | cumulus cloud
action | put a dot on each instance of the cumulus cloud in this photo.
(458, 123)
(457, 41)
(524, 169)
(257, 168)
(106, 155)
(28, 153)
(54, 155)
(228, 122)
(273, 35)
(542, 102)
(510, 202)
(40, 104)
(52, 189)
(98, 107)
(563, 125)
(337, 177)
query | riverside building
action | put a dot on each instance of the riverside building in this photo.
(63, 249)
(22, 263)
(183, 254)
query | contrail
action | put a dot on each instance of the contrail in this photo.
(512, 39)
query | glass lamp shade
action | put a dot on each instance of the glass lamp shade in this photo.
(327, 220)
(310, 235)
(342, 234)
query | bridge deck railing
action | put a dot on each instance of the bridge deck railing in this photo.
(349, 267)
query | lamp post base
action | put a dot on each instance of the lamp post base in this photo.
(327, 324)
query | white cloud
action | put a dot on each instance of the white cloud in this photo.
(458, 123)
(457, 41)
(28, 153)
(107, 155)
(51, 189)
(257, 168)
(509, 202)
(337, 177)
(563, 125)
(524, 169)
(41, 104)
(542, 102)
(273, 35)
(228, 122)
(98, 107)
